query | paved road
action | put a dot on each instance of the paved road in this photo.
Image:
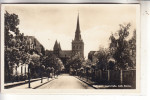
(65, 81)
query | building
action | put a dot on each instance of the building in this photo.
(34, 45)
(77, 43)
(77, 46)
(35, 48)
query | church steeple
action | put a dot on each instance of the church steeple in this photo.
(77, 33)
(56, 45)
(59, 46)
(77, 43)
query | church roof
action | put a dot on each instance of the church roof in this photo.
(48, 52)
(36, 43)
(57, 46)
(65, 53)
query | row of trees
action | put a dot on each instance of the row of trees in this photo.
(121, 53)
(16, 51)
(21, 51)
(122, 49)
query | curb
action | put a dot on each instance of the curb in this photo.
(18, 84)
(87, 83)
(103, 87)
(42, 84)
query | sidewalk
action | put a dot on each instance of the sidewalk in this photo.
(100, 86)
(13, 84)
(92, 83)
(35, 83)
(89, 82)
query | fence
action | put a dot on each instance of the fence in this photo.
(111, 77)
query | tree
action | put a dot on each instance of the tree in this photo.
(49, 60)
(11, 23)
(42, 71)
(14, 43)
(75, 62)
(119, 47)
(48, 70)
(42, 50)
(53, 62)
(86, 65)
(132, 46)
(35, 58)
(17, 47)
(102, 55)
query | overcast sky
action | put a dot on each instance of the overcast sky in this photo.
(54, 21)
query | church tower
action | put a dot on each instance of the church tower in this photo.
(57, 48)
(77, 43)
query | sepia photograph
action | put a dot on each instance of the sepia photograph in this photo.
(54, 47)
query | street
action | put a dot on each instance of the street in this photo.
(65, 81)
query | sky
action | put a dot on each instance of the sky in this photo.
(51, 22)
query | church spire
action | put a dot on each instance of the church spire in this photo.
(59, 46)
(56, 45)
(77, 33)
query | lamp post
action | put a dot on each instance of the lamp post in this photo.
(87, 73)
(56, 67)
(29, 75)
(29, 66)
(42, 70)
(53, 72)
(48, 71)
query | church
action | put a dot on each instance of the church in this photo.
(77, 46)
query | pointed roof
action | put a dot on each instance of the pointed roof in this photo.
(77, 33)
(59, 46)
(56, 45)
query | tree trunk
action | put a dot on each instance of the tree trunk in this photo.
(29, 77)
(21, 69)
(25, 70)
(16, 70)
